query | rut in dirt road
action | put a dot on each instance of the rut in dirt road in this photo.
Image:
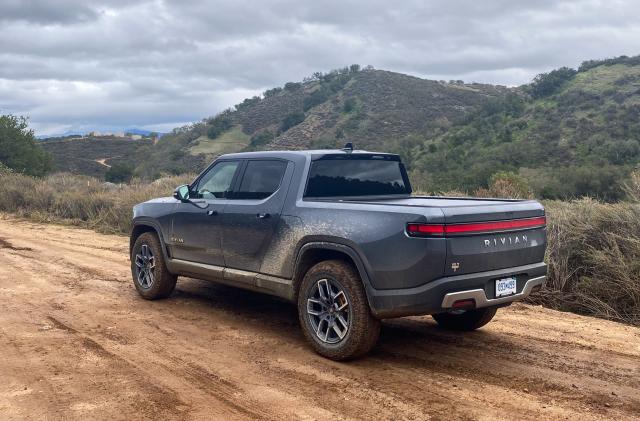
(77, 342)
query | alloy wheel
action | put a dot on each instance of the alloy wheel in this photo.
(145, 265)
(328, 311)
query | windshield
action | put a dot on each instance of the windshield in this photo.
(357, 175)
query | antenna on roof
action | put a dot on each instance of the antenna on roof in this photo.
(348, 147)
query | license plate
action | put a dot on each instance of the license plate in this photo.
(506, 286)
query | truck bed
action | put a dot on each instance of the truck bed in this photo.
(462, 209)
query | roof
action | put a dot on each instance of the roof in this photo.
(314, 153)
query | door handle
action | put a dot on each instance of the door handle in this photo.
(263, 215)
(212, 213)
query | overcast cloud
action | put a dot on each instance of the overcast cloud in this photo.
(85, 64)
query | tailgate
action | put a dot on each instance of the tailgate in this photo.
(502, 238)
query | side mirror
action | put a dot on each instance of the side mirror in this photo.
(182, 193)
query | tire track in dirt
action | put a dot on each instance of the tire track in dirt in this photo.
(77, 343)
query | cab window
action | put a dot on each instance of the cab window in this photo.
(216, 183)
(261, 179)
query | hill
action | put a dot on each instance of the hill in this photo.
(373, 108)
(94, 155)
(568, 133)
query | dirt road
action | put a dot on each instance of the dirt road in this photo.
(76, 342)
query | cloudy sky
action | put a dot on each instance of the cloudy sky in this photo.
(157, 64)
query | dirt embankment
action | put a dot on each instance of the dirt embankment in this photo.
(76, 342)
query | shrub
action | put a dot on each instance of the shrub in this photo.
(315, 98)
(593, 252)
(291, 120)
(272, 92)
(594, 259)
(349, 105)
(218, 126)
(261, 138)
(292, 86)
(4, 170)
(632, 187)
(546, 84)
(248, 102)
(119, 173)
(80, 200)
(507, 185)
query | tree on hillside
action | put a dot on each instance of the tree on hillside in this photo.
(218, 126)
(291, 120)
(19, 150)
(546, 84)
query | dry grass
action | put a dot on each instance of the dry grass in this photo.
(593, 253)
(79, 200)
(594, 259)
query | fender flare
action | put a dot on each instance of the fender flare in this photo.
(345, 249)
(156, 228)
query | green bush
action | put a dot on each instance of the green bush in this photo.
(261, 138)
(506, 184)
(315, 98)
(291, 120)
(218, 126)
(349, 105)
(546, 84)
(272, 92)
(292, 86)
(119, 173)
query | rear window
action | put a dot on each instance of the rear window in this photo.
(357, 175)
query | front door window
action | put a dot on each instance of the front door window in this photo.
(216, 183)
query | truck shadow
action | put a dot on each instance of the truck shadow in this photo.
(412, 350)
(271, 315)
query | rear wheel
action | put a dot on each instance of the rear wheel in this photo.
(467, 320)
(150, 275)
(334, 312)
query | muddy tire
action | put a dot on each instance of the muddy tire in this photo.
(334, 312)
(149, 270)
(467, 321)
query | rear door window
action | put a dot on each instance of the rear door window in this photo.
(261, 179)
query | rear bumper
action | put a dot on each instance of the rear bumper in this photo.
(439, 295)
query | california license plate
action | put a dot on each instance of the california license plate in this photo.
(506, 286)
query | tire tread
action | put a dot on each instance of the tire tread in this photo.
(364, 330)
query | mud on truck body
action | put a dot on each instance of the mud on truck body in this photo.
(339, 233)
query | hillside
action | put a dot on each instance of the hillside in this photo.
(94, 155)
(569, 133)
(373, 108)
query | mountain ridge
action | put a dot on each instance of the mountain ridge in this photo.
(568, 133)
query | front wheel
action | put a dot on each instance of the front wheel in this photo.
(150, 274)
(334, 312)
(467, 320)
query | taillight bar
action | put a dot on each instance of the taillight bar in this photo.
(442, 230)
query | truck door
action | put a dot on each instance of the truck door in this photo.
(196, 229)
(253, 212)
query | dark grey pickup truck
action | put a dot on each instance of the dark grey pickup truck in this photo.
(339, 233)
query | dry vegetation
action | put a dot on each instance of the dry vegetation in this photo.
(594, 259)
(593, 255)
(80, 200)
